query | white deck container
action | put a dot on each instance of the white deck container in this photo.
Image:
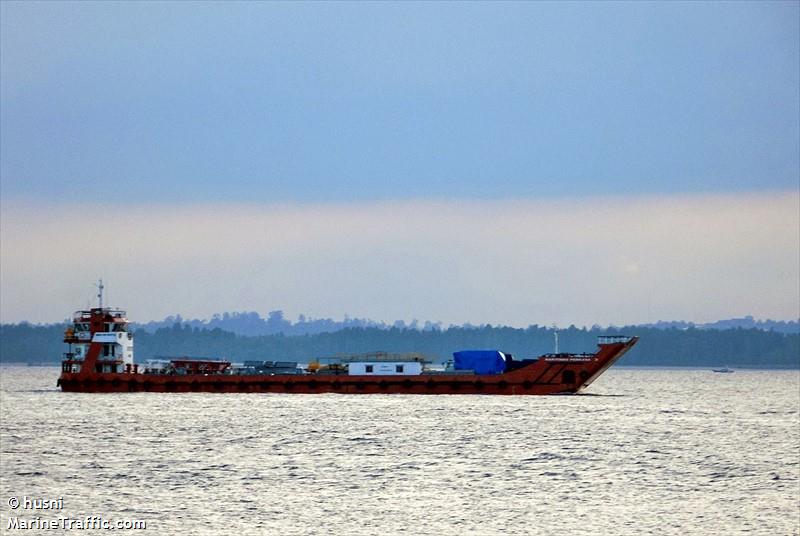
(385, 368)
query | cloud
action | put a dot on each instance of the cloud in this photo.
(600, 260)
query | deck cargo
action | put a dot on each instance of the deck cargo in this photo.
(480, 361)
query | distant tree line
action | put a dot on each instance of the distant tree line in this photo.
(26, 343)
(746, 322)
(251, 323)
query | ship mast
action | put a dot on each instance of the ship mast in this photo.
(555, 335)
(100, 288)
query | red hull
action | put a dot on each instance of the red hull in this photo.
(549, 375)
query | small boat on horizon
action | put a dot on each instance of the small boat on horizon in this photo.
(723, 370)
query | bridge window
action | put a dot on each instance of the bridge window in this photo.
(368, 369)
(398, 368)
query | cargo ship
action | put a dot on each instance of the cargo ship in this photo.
(100, 360)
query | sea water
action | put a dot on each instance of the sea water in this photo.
(643, 451)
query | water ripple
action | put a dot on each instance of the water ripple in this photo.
(644, 452)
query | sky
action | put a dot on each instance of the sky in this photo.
(503, 163)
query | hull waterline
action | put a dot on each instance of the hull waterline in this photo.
(546, 376)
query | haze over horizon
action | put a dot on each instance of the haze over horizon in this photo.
(500, 163)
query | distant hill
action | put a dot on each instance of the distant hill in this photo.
(252, 324)
(747, 322)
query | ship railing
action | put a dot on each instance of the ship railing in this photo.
(613, 339)
(81, 316)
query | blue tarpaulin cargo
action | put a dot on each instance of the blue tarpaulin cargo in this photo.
(481, 361)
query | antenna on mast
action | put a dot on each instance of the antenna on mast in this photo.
(100, 288)
(555, 335)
